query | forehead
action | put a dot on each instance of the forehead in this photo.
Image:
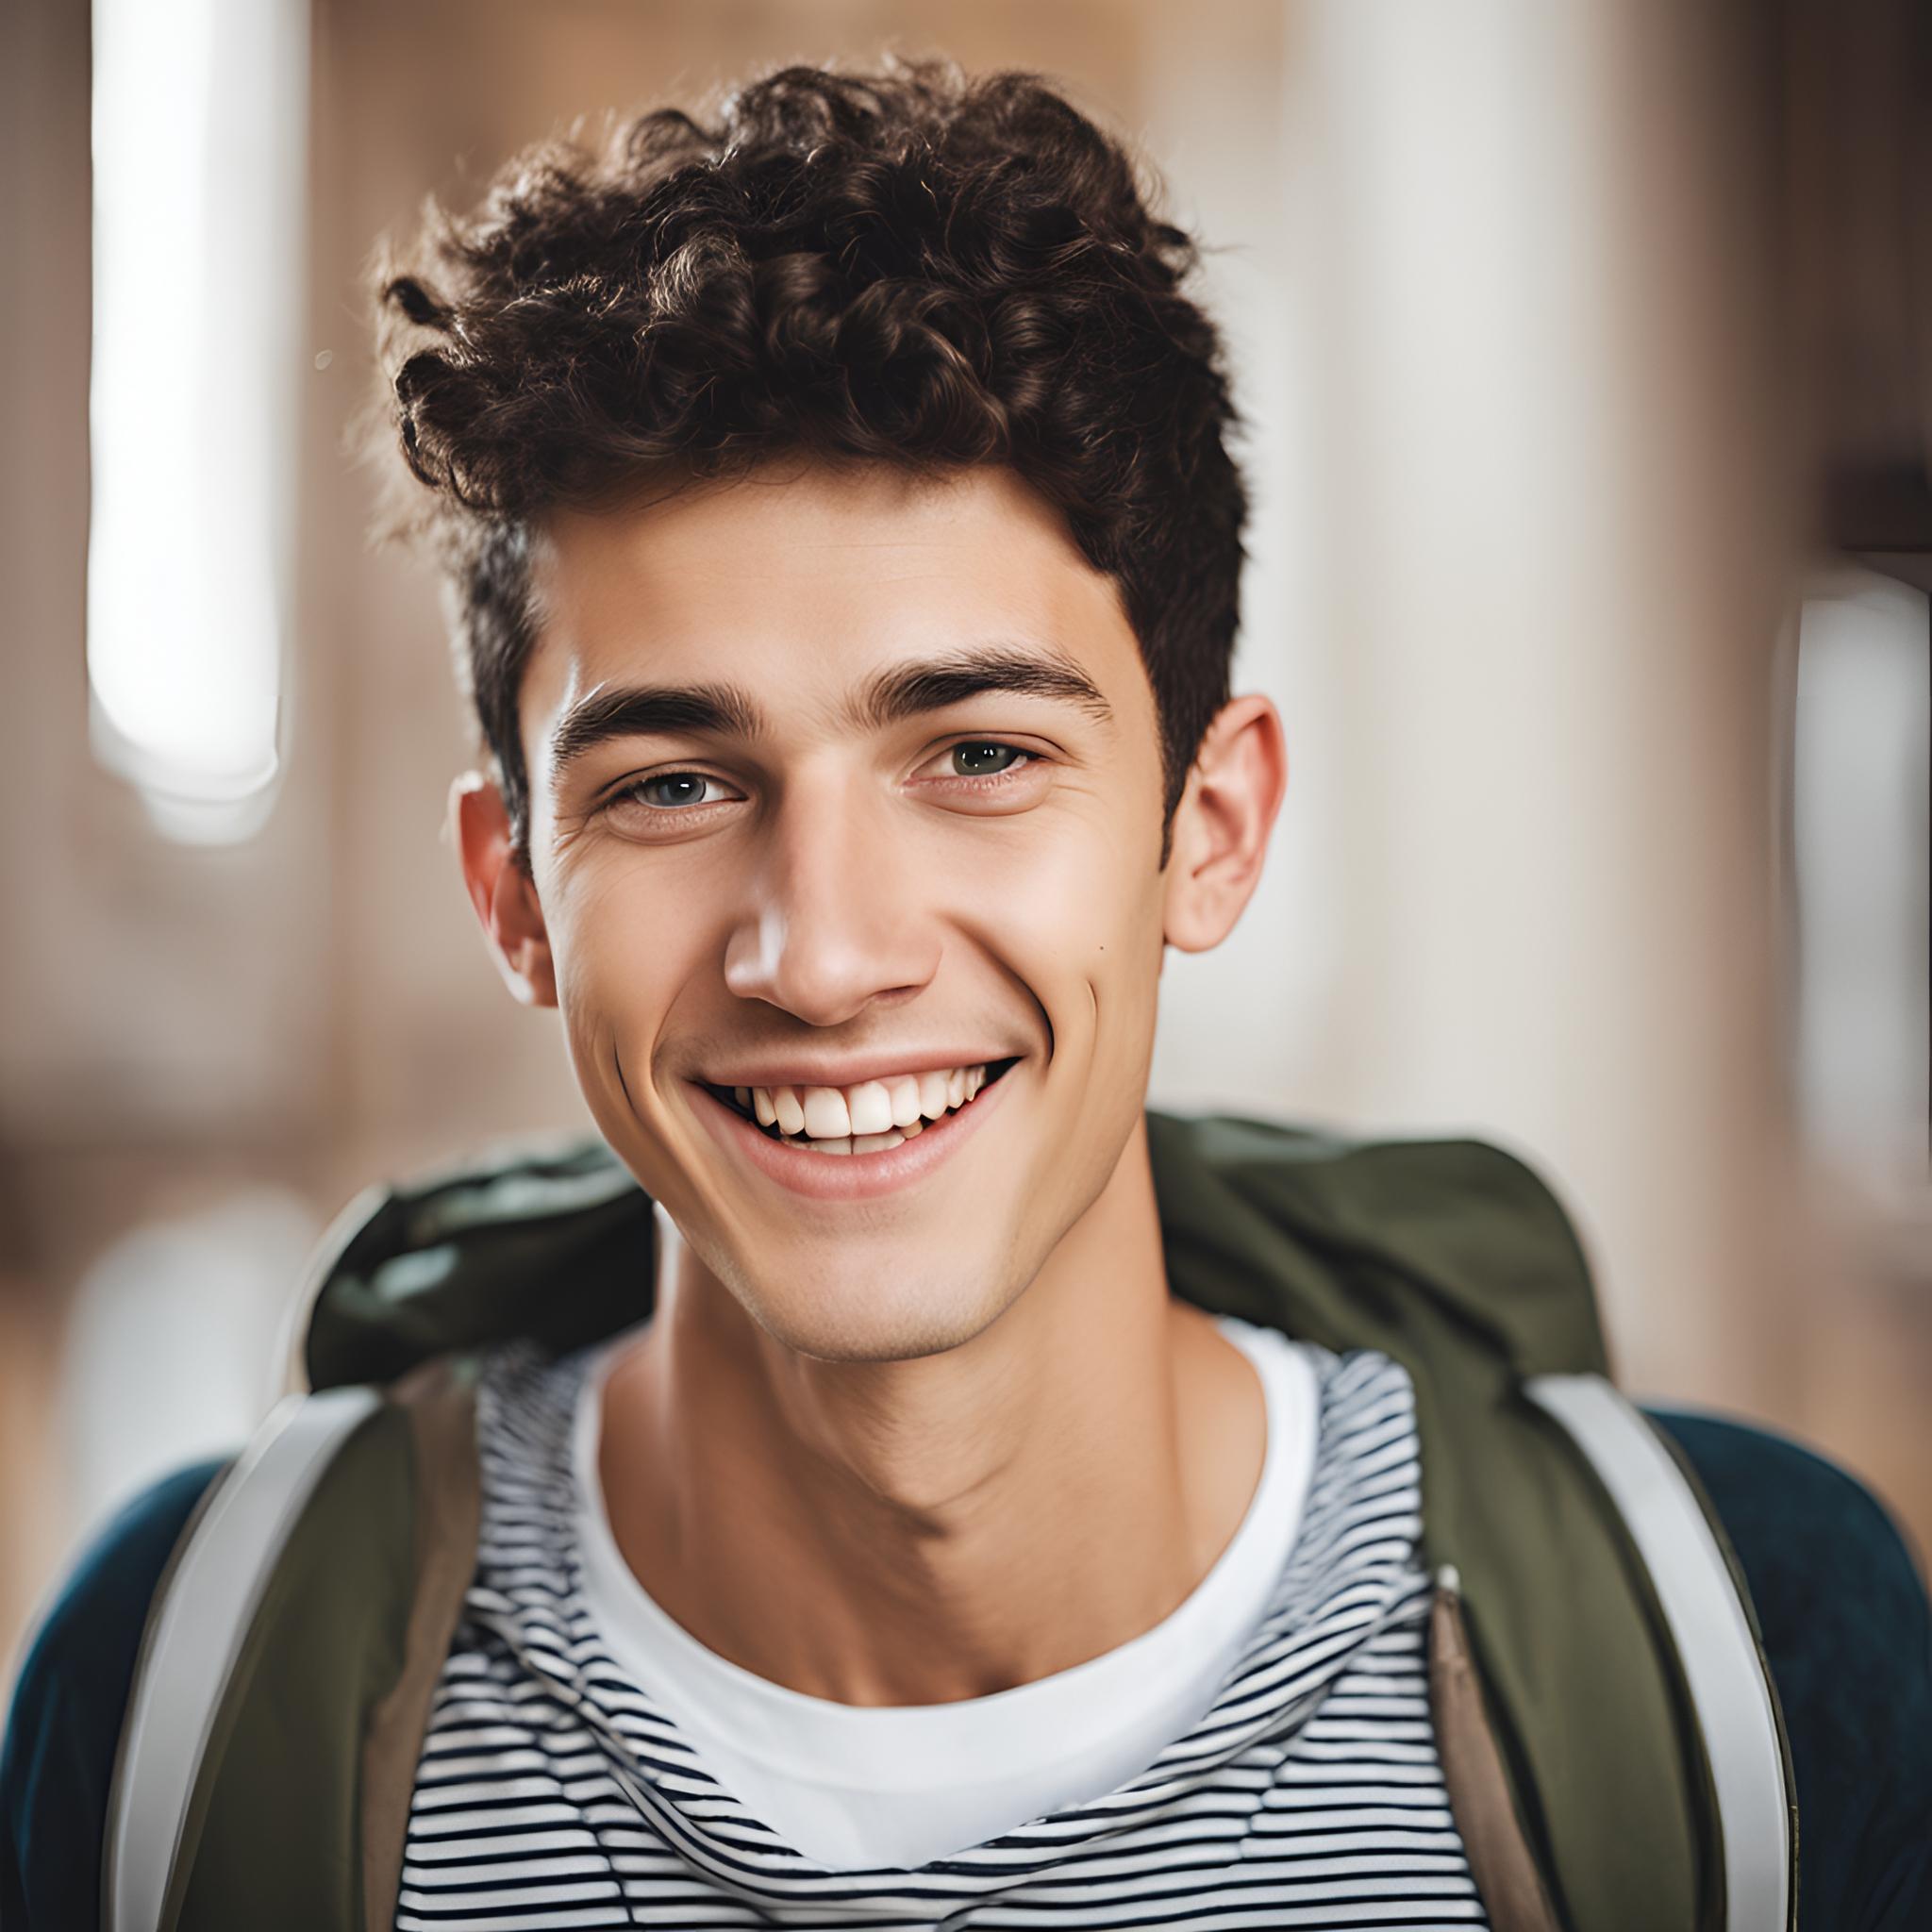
(799, 581)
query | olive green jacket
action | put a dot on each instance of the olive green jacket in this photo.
(1608, 1730)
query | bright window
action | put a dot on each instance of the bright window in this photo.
(199, 153)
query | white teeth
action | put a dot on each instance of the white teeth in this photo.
(853, 1143)
(870, 1107)
(827, 1117)
(905, 1097)
(868, 1115)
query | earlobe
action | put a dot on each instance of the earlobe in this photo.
(503, 893)
(1223, 823)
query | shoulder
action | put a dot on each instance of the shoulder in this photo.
(1847, 1630)
(63, 1725)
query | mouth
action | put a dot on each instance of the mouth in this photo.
(872, 1117)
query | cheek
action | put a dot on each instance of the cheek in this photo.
(1078, 919)
(1098, 893)
(1084, 866)
(625, 948)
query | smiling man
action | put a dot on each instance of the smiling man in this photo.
(845, 829)
(891, 1477)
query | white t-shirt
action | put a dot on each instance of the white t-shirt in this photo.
(558, 1790)
(863, 1786)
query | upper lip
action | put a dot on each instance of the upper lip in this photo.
(850, 1073)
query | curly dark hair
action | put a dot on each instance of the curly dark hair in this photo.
(908, 267)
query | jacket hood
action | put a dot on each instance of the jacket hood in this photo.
(1287, 1227)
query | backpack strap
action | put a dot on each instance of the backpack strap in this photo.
(202, 1611)
(1500, 1861)
(1708, 1613)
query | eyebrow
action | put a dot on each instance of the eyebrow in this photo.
(905, 690)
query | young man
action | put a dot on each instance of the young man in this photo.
(876, 1485)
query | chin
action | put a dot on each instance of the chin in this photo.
(885, 1318)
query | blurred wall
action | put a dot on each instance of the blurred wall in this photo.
(1503, 284)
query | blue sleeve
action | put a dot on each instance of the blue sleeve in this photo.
(64, 1726)
(1848, 1633)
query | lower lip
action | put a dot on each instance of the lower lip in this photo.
(850, 1177)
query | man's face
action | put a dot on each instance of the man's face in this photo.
(845, 781)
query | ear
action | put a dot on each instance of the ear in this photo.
(1222, 824)
(502, 892)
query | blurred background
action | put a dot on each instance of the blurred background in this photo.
(1585, 356)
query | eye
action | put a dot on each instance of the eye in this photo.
(672, 791)
(985, 775)
(985, 758)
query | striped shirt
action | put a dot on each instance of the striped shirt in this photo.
(902, 1785)
(555, 1792)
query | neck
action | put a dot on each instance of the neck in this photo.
(916, 1532)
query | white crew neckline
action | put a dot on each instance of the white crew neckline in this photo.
(1137, 1697)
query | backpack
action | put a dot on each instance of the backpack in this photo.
(1608, 1729)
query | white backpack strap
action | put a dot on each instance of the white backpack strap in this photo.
(1711, 1630)
(194, 1637)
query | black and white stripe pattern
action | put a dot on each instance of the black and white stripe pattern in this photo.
(552, 1792)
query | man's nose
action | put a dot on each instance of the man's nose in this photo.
(834, 919)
